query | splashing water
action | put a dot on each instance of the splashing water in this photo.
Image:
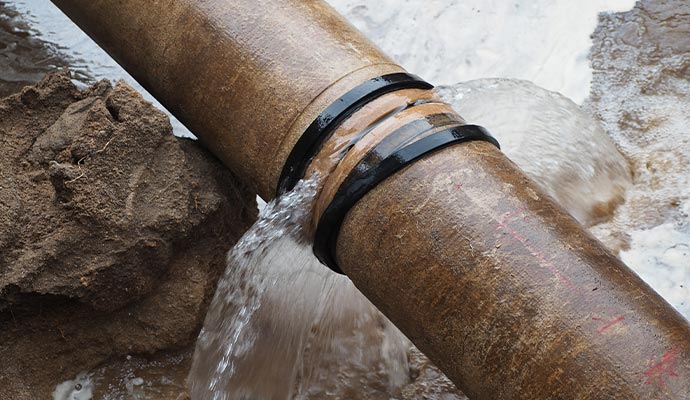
(283, 326)
(558, 145)
(641, 94)
(447, 41)
(79, 388)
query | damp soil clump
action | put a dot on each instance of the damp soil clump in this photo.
(113, 232)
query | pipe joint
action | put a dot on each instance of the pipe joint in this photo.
(395, 120)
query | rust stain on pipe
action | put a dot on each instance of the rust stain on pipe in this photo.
(247, 77)
(505, 291)
(494, 282)
(395, 120)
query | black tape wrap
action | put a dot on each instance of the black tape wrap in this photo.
(309, 144)
(397, 150)
(367, 175)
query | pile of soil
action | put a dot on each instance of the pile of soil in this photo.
(113, 232)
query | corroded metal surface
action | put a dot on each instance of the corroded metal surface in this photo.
(246, 76)
(504, 291)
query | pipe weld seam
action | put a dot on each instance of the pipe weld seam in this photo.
(309, 144)
(365, 176)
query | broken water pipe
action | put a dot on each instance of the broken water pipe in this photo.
(496, 284)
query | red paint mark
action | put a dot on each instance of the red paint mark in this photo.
(509, 217)
(542, 259)
(458, 186)
(609, 324)
(546, 262)
(665, 367)
(539, 255)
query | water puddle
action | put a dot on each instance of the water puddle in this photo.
(24, 58)
(135, 377)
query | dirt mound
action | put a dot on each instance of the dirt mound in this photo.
(112, 231)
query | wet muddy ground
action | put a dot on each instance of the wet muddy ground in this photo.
(24, 58)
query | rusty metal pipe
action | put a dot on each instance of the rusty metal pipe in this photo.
(247, 77)
(496, 284)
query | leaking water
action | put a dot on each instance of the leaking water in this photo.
(282, 326)
(558, 145)
(570, 155)
(297, 329)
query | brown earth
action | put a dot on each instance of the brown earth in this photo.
(112, 232)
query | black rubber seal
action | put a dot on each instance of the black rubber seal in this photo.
(309, 144)
(359, 182)
(400, 138)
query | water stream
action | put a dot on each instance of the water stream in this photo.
(282, 326)
(297, 329)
